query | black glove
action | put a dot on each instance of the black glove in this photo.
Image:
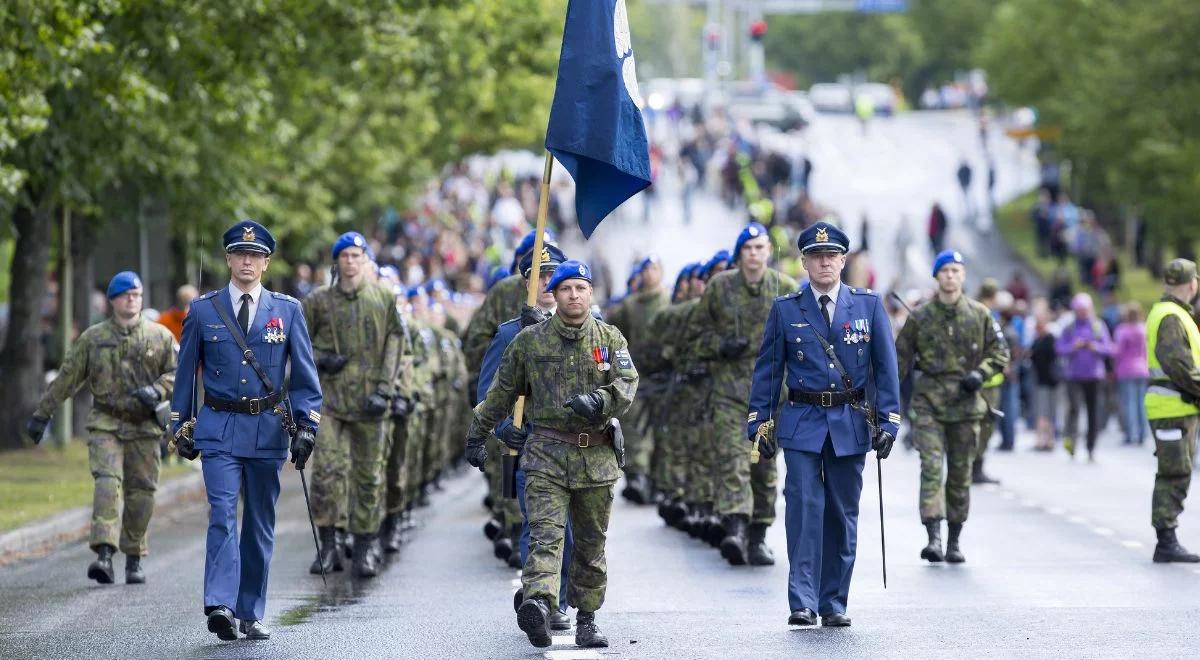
(883, 444)
(476, 453)
(147, 396)
(331, 363)
(532, 316)
(768, 445)
(186, 448)
(376, 404)
(971, 382)
(512, 435)
(589, 406)
(401, 407)
(733, 347)
(35, 428)
(302, 446)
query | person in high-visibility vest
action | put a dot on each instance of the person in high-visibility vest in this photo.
(988, 291)
(1173, 353)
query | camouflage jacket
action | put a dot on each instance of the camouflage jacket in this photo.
(944, 342)
(453, 375)
(731, 307)
(502, 303)
(633, 317)
(1174, 352)
(364, 326)
(113, 361)
(429, 366)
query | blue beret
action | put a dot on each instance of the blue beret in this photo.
(685, 273)
(720, 257)
(498, 273)
(350, 239)
(570, 269)
(527, 244)
(651, 259)
(751, 230)
(823, 237)
(122, 282)
(552, 256)
(946, 257)
(250, 236)
(416, 292)
(389, 271)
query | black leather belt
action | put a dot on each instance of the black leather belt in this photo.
(244, 406)
(582, 440)
(826, 399)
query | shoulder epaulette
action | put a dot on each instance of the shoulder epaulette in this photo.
(208, 295)
(789, 296)
(863, 291)
(283, 296)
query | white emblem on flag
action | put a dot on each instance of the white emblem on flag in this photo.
(625, 52)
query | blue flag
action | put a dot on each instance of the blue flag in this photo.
(596, 128)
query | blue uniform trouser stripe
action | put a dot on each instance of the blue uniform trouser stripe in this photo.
(821, 493)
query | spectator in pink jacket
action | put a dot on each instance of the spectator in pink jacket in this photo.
(1132, 373)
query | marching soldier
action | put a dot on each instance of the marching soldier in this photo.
(731, 312)
(1173, 403)
(632, 317)
(705, 523)
(990, 391)
(957, 346)
(405, 416)
(831, 345)
(128, 363)
(577, 374)
(357, 340)
(244, 338)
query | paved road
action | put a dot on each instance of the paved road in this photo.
(1058, 565)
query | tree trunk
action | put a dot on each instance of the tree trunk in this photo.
(83, 242)
(21, 369)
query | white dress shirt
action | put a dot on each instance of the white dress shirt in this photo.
(235, 298)
(830, 306)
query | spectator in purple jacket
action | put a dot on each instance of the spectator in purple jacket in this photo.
(1131, 371)
(1083, 346)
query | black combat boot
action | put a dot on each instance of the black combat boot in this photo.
(133, 570)
(491, 529)
(587, 635)
(408, 519)
(977, 474)
(488, 501)
(953, 554)
(734, 547)
(1169, 549)
(635, 489)
(514, 557)
(394, 536)
(715, 530)
(503, 547)
(327, 555)
(345, 543)
(533, 617)
(663, 508)
(101, 570)
(676, 512)
(760, 552)
(932, 552)
(693, 524)
(683, 515)
(366, 556)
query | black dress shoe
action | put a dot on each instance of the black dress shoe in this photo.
(533, 618)
(220, 621)
(803, 617)
(835, 620)
(559, 620)
(255, 630)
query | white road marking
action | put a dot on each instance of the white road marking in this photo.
(564, 639)
(1078, 520)
(576, 654)
(1103, 531)
(1133, 544)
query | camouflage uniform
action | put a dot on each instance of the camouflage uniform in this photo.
(1176, 456)
(944, 343)
(503, 302)
(679, 403)
(123, 437)
(552, 362)
(349, 461)
(732, 307)
(403, 453)
(422, 421)
(632, 317)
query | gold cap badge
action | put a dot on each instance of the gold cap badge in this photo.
(247, 233)
(822, 235)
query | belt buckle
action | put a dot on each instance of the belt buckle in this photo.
(255, 406)
(826, 399)
(583, 440)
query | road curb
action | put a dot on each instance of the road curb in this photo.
(40, 538)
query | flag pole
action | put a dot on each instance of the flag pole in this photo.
(531, 296)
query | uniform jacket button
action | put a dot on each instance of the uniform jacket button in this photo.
(243, 381)
(244, 398)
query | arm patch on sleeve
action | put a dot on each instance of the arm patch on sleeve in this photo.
(623, 361)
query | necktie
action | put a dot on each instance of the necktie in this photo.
(244, 314)
(824, 302)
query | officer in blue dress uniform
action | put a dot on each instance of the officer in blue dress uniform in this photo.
(239, 431)
(822, 423)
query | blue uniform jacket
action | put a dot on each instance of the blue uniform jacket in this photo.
(227, 375)
(790, 349)
(505, 332)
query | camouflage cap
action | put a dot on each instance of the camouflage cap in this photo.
(988, 288)
(1179, 271)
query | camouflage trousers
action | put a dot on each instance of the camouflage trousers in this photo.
(549, 503)
(417, 453)
(126, 473)
(639, 444)
(1175, 447)
(396, 474)
(741, 488)
(702, 464)
(947, 451)
(987, 425)
(349, 461)
(675, 443)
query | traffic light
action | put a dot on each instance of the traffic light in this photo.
(758, 29)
